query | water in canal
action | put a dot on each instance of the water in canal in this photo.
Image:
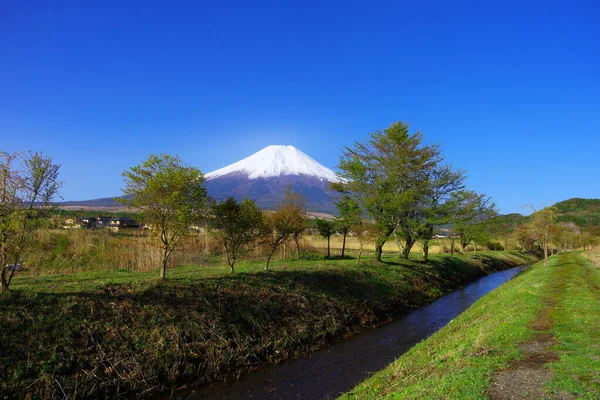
(339, 367)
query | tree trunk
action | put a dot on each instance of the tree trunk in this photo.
(425, 249)
(405, 253)
(407, 247)
(545, 253)
(231, 268)
(269, 258)
(297, 240)
(328, 247)
(344, 242)
(378, 250)
(452, 240)
(360, 250)
(3, 282)
(163, 270)
(3, 269)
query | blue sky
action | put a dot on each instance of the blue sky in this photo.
(511, 90)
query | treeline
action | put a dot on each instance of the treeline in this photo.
(391, 186)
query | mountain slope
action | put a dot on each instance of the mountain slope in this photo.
(264, 176)
(276, 161)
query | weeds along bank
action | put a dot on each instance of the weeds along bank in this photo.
(76, 250)
(97, 338)
(538, 334)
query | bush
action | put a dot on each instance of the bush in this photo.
(494, 246)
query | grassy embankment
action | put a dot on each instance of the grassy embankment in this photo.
(538, 336)
(104, 333)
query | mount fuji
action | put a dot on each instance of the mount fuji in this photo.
(264, 175)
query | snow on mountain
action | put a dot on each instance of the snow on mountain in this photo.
(276, 161)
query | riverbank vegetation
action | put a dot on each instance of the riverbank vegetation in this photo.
(534, 337)
(109, 333)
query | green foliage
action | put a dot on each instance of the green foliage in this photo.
(238, 224)
(458, 361)
(472, 213)
(107, 334)
(390, 176)
(27, 191)
(169, 195)
(326, 228)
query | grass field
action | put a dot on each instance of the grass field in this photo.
(105, 334)
(538, 336)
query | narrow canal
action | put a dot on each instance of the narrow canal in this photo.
(339, 367)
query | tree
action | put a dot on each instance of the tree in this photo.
(239, 225)
(470, 216)
(326, 229)
(170, 196)
(439, 202)
(542, 223)
(349, 211)
(365, 233)
(524, 236)
(282, 224)
(298, 220)
(389, 177)
(26, 194)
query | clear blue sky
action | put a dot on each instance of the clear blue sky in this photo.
(510, 89)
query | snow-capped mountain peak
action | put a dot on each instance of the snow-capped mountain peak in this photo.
(273, 161)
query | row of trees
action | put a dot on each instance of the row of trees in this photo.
(406, 189)
(394, 180)
(171, 197)
(543, 231)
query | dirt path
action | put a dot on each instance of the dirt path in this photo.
(525, 378)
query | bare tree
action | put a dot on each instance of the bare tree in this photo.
(282, 224)
(542, 222)
(27, 190)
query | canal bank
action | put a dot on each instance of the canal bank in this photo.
(134, 339)
(335, 369)
(535, 337)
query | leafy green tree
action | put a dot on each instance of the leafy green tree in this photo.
(470, 217)
(27, 190)
(239, 225)
(389, 177)
(326, 228)
(439, 201)
(350, 212)
(170, 196)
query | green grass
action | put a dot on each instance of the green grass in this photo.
(577, 329)
(105, 334)
(458, 361)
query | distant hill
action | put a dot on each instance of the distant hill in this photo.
(585, 213)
